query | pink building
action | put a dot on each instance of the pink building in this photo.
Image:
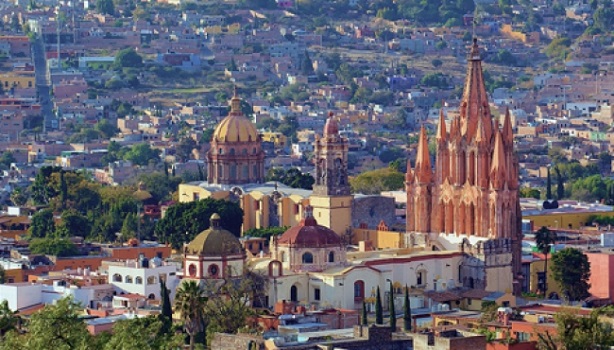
(601, 280)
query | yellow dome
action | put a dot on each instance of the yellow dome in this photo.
(215, 241)
(236, 127)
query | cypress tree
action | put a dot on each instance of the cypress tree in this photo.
(379, 316)
(560, 188)
(364, 320)
(393, 314)
(407, 312)
(548, 186)
(166, 315)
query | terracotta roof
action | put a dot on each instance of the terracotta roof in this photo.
(442, 297)
(475, 293)
(309, 234)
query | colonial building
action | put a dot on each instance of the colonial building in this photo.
(214, 253)
(236, 155)
(469, 201)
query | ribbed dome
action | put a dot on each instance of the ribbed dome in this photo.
(309, 234)
(215, 241)
(235, 127)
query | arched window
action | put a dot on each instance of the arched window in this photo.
(192, 270)
(233, 171)
(128, 279)
(307, 258)
(151, 296)
(421, 278)
(244, 152)
(293, 293)
(331, 256)
(117, 277)
(221, 151)
(138, 280)
(254, 150)
(232, 151)
(152, 280)
(245, 174)
(359, 290)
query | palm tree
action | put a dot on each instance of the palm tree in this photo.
(190, 303)
(544, 238)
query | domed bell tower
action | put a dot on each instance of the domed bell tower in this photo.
(331, 199)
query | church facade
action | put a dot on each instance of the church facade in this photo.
(469, 200)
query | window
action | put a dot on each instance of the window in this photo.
(232, 151)
(316, 294)
(213, 270)
(192, 270)
(468, 301)
(138, 280)
(283, 257)
(128, 279)
(359, 290)
(117, 277)
(307, 258)
(152, 280)
(331, 257)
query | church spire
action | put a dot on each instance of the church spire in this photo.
(480, 135)
(441, 128)
(475, 100)
(508, 133)
(497, 170)
(423, 160)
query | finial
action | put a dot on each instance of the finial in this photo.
(234, 90)
(215, 221)
(475, 50)
(308, 213)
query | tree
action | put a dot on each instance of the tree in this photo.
(128, 58)
(142, 334)
(53, 246)
(183, 221)
(228, 305)
(571, 270)
(544, 238)
(42, 224)
(6, 159)
(106, 129)
(548, 185)
(391, 310)
(8, 319)
(58, 326)
(2, 275)
(579, 332)
(375, 181)
(190, 302)
(307, 65)
(142, 154)
(528, 192)
(166, 315)
(364, 319)
(406, 312)
(379, 316)
(159, 186)
(105, 7)
(560, 184)
(73, 224)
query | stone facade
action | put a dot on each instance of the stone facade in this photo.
(471, 199)
(370, 211)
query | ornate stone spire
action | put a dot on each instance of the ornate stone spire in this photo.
(442, 134)
(507, 132)
(474, 102)
(424, 172)
(409, 175)
(480, 135)
(497, 169)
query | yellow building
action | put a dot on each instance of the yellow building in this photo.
(277, 138)
(18, 80)
(572, 220)
(263, 205)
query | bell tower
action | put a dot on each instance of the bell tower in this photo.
(331, 199)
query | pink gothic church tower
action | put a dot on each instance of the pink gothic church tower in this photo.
(469, 200)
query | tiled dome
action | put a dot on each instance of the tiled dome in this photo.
(215, 241)
(235, 127)
(309, 234)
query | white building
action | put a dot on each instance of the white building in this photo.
(143, 277)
